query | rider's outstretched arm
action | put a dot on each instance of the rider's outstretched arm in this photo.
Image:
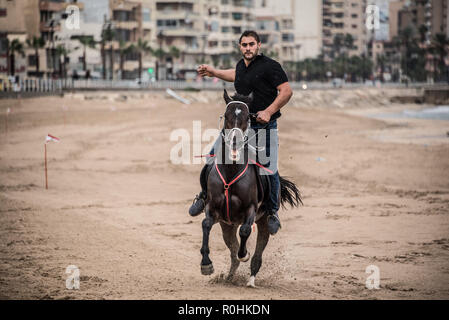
(226, 75)
(209, 71)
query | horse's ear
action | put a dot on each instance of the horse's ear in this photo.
(251, 97)
(226, 97)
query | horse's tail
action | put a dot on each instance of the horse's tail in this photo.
(289, 193)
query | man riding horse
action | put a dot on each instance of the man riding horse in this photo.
(268, 83)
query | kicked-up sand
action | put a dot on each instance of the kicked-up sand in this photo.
(375, 192)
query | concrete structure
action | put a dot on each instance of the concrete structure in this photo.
(308, 22)
(290, 28)
(344, 17)
(394, 7)
(18, 20)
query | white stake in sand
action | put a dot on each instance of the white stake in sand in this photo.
(48, 139)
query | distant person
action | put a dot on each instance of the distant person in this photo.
(87, 74)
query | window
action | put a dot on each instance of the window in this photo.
(225, 15)
(354, 15)
(225, 44)
(3, 12)
(214, 26)
(287, 37)
(146, 15)
(32, 60)
(212, 44)
(237, 16)
(224, 29)
(166, 23)
(236, 30)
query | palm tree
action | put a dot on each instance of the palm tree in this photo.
(14, 47)
(86, 41)
(440, 44)
(107, 35)
(36, 43)
(61, 51)
(142, 47)
(407, 41)
(337, 44)
(380, 63)
(123, 51)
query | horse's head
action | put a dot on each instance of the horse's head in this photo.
(236, 123)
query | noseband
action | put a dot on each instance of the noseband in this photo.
(228, 137)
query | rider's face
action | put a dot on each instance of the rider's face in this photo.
(249, 47)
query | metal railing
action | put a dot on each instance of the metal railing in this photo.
(58, 86)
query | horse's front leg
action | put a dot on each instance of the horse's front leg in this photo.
(206, 264)
(262, 239)
(245, 232)
(230, 238)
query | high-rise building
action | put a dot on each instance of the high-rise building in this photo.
(18, 21)
(424, 16)
(344, 17)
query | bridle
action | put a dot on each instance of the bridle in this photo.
(228, 137)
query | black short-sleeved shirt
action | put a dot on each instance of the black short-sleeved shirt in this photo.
(261, 77)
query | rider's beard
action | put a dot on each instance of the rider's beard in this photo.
(256, 52)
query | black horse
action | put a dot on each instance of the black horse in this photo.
(233, 196)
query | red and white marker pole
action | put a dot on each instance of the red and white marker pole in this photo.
(48, 139)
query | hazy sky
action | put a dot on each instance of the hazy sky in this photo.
(94, 10)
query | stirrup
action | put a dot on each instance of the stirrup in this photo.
(277, 221)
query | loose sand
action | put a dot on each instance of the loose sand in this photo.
(376, 192)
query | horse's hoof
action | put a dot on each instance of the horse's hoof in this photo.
(251, 282)
(207, 269)
(246, 258)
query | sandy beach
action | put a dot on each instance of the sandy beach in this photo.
(375, 192)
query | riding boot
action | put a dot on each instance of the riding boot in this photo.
(274, 223)
(199, 203)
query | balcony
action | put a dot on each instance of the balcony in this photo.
(44, 27)
(45, 5)
(129, 25)
(177, 14)
(174, 1)
(179, 32)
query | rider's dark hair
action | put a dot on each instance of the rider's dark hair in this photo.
(250, 33)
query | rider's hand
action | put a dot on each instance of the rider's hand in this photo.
(263, 116)
(205, 70)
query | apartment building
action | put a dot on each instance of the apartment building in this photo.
(131, 21)
(18, 20)
(202, 31)
(344, 17)
(432, 14)
(52, 16)
(394, 7)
